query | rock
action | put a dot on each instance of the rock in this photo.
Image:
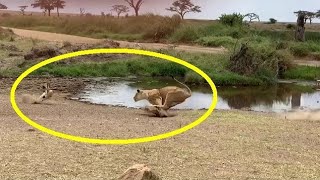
(29, 56)
(139, 172)
(45, 51)
(9, 48)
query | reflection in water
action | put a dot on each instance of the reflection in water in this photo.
(283, 97)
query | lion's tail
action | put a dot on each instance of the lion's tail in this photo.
(189, 90)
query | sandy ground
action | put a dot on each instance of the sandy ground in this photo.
(228, 145)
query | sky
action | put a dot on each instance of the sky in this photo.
(282, 10)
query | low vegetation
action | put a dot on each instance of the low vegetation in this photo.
(216, 66)
(153, 28)
(303, 73)
(269, 56)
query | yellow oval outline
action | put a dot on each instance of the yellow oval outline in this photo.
(113, 141)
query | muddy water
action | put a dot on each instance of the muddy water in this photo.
(280, 98)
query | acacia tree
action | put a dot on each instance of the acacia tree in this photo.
(2, 6)
(135, 4)
(252, 16)
(307, 15)
(22, 9)
(47, 5)
(82, 11)
(119, 9)
(183, 6)
(59, 4)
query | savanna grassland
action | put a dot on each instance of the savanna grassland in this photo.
(271, 45)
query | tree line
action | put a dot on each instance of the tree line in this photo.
(181, 7)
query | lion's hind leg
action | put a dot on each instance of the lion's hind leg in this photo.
(172, 99)
(157, 111)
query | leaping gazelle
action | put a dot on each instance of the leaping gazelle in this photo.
(47, 94)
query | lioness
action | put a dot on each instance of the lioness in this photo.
(164, 98)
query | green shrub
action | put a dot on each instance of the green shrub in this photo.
(185, 34)
(212, 41)
(290, 26)
(299, 49)
(272, 21)
(303, 73)
(231, 19)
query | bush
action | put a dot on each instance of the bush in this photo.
(261, 62)
(162, 28)
(231, 19)
(290, 26)
(299, 49)
(5, 15)
(213, 41)
(272, 21)
(185, 34)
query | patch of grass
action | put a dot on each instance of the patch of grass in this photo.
(144, 26)
(185, 34)
(303, 73)
(302, 49)
(214, 41)
(143, 66)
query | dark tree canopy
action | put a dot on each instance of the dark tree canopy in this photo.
(82, 11)
(59, 4)
(183, 6)
(46, 5)
(135, 4)
(307, 15)
(318, 14)
(22, 9)
(119, 9)
(2, 6)
(252, 16)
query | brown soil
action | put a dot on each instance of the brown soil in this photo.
(228, 145)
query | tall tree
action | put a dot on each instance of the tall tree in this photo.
(47, 5)
(22, 9)
(119, 9)
(307, 15)
(183, 6)
(135, 4)
(2, 6)
(59, 4)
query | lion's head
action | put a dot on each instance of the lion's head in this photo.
(140, 95)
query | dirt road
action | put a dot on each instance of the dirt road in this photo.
(47, 36)
(228, 145)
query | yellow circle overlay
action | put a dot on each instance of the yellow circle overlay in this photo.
(113, 141)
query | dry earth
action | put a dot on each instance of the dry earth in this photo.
(228, 145)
